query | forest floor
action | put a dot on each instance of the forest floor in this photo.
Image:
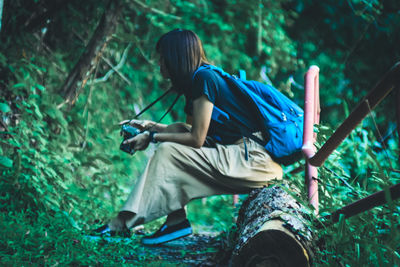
(194, 250)
(199, 249)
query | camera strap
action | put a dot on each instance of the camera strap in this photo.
(169, 109)
(155, 101)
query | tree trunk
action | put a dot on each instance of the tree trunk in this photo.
(92, 53)
(271, 231)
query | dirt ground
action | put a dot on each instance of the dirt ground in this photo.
(194, 250)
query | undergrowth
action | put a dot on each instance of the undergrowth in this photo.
(62, 173)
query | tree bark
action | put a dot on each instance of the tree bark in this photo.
(271, 231)
(92, 53)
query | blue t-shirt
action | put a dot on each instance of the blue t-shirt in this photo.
(215, 88)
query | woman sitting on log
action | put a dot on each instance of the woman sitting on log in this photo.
(195, 159)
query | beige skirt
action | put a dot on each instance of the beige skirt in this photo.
(176, 174)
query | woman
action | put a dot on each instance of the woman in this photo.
(195, 159)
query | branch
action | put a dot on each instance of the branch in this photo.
(124, 55)
(264, 76)
(93, 51)
(88, 102)
(294, 83)
(353, 48)
(114, 69)
(142, 52)
(154, 10)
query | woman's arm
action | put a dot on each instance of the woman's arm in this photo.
(189, 120)
(202, 110)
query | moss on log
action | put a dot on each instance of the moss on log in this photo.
(272, 231)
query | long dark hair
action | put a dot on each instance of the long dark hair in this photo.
(182, 52)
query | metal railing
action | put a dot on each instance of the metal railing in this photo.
(315, 158)
(312, 111)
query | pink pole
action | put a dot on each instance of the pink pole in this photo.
(235, 199)
(311, 116)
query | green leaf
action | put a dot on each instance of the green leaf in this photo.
(37, 111)
(40, 87)
(18, 85)
(4, 107)
(71, 220)
(6, 162)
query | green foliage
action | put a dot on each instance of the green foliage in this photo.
(371, 237)
(353, 44)
(40, 239)
(218, 216)
(60, 166)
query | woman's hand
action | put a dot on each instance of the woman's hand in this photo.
(140, 141)
(139, 124)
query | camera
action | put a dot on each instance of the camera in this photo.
(128, 132)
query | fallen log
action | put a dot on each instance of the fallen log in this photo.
(271, 231)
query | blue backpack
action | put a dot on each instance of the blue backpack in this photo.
(281, 120)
